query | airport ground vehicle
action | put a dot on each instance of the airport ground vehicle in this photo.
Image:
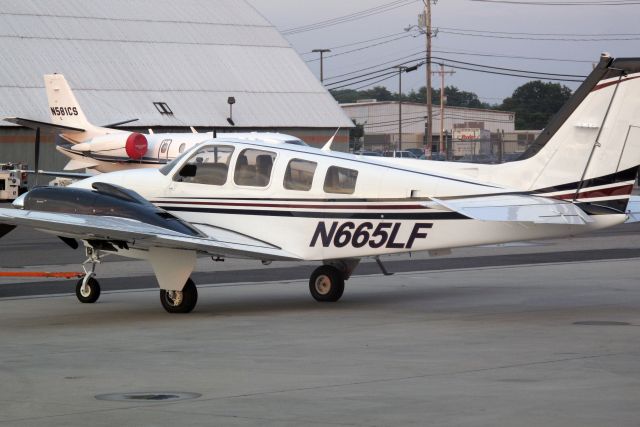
(13, 180)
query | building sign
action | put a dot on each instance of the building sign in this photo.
(469, 141)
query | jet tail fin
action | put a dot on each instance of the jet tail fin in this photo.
(65, 110)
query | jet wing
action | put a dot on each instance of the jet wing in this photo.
(140, 235)
(633, 209)
(518, 208)
(44, 126)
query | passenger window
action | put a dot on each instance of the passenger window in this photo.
(182, 147)
(253, 168)
(340, 180)
(299, 175)
(209, 165)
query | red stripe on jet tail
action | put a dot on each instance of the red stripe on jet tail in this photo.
(623, 190)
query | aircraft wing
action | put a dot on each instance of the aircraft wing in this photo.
(44, 126)
(139, 235)
(633, 209)
(518, 208)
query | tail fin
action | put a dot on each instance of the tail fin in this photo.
(590, 151)
(65, 109)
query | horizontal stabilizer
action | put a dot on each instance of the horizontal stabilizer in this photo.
(633, 209)
(44, 126)
(75, 165)
(518, 208)
(140, 235)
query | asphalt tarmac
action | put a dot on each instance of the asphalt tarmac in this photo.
(537, 334)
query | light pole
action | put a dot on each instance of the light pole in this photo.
(401, 69)
(321, 52)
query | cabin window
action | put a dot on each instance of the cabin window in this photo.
(299, 175)
(209, 165)
(253, 168)
(340, 180)
(182, 147)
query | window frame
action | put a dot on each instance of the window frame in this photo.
(271, 175)
(326, 177)
(313, 175)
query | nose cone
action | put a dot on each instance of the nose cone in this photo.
(19, 202)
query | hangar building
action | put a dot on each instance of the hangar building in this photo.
(170, 64)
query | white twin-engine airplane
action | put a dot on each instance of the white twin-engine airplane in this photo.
(250, 199)
(104, 149)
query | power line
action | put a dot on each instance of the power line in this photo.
(487, 55)
(561, 39)
(360, 42)
(509, 69)
(563, 3)
(540, 34)
(348, 18)
(363, 47)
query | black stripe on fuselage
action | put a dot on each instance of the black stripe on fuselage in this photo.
(622, 176)
(323, 215)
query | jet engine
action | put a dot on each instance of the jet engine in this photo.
(118, 145)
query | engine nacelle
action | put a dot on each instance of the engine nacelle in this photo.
(105, 200)
(117, 145)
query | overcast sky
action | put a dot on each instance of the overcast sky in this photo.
(586, 22)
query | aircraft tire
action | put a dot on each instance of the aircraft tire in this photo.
(183, 301)
(326, 284)
(92, 292)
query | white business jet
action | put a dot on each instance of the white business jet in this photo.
(105, 149)
(251, 199)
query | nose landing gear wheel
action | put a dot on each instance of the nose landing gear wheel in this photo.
(326, 284)
(89, 293)
(180, 301)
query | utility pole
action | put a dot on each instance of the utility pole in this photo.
(427, 23)
(321, 52)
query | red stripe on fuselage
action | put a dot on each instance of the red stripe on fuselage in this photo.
(295, 206)
(624, 190)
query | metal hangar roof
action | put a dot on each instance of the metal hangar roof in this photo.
(121, 56)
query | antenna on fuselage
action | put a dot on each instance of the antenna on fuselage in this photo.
(327, 146)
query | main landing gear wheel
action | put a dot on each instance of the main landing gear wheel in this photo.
(326, 284)
(180, 301)
(90, 292)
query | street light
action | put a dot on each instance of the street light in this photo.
(401, 69)
(321, 52)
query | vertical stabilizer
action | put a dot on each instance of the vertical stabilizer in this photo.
(64, 108)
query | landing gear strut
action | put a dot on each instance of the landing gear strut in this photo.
(88, 288)
(180, 301)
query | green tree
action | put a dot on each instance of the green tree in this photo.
(379, 93)
(535, 102)
(354, 136)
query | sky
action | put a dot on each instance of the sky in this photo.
(580, 34)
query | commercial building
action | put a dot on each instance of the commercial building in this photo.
(170, 64)
(381, 121)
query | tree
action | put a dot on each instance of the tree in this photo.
(535, 102)
(355, 134)
(379, 93)
(455, 96)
